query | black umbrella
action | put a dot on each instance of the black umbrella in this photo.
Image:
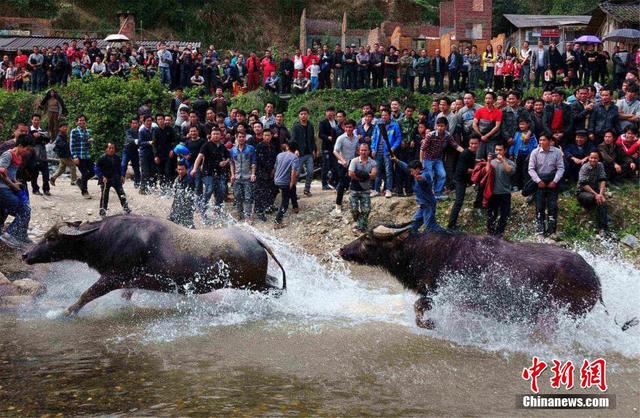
(622, 35)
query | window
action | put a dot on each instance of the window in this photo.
(478, 5)
(476, 32)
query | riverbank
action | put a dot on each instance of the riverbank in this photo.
(316, 231)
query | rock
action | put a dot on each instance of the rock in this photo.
(8, 290)
(30, 287)
(3, 279)
(15, 301)
(630, 241)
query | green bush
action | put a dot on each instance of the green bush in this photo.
(15, 107)
(255, 99)
(110, 103)
(351, 101)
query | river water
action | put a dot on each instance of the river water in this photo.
(340, 342)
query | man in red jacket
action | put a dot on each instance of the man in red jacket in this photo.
(268, 65)
(253, 71)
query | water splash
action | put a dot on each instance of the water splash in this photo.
(322, 295)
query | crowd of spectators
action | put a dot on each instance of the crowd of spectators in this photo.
(372, 66)
(202, 151)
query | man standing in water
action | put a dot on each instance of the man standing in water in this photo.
(362, 170)
(109, 175)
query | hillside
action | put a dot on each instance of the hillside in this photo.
(251, 23)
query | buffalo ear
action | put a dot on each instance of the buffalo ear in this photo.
(76, 232)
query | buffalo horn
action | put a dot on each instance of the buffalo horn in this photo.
(385, 232)
(76, 232)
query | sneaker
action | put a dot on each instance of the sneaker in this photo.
(86, 195)
(388, 194)
(442, 197)
(295, 210)
(52, 181)
(374, 193)
(326, 187)
(37, 192)
(103, 213)
(11, 241)
(337, 211)
(127, 210)
(307, 193)
(262, 216)
(47, 193)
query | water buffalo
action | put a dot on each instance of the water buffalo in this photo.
(141, 252)
(547, 275)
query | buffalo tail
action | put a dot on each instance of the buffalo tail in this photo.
(270, 251)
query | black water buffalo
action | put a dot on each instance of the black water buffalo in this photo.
(549, 276)
(141, 252)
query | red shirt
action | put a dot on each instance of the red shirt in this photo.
(556, 121)
(21, 60)
(486, 114)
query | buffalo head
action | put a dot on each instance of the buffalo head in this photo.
(377, 246)
(62, 241)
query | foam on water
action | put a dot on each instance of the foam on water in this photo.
(326, 295)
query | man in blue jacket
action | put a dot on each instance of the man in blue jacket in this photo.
(382, 154)
(426, 199)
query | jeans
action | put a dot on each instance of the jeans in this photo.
(38, 78)
(288, 194)
(18, 206)
(350, 78)
(438, 82)
(147, 171)
(42, 167)
(363, 78)
(539, 76)
(547, 201)
(424, 78)
(426, 214)
(377, 75)
(499, 204)
(588, 201)
(436, 167)
(360, 203)
(488, 78)
(338, 78)
(526, 76)
(485, 148)
(264, 194)
(307, 161)
(63, 163)
(474, 77)
(86, 169)
(104, 195)
(165, 75)
(343, 183)
(329, 163)
(314, 83)
(392, 78)
(453, 80)
(461, 190)
(213, 186)
(243, 193)
(385, 170)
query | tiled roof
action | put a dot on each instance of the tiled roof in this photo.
(627, 12)
(26, 43)
(532, 21)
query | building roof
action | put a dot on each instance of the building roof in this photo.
(625, 12)
(26, 43)
(534, 21)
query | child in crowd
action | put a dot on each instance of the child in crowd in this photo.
(314, 72)
(524, 142)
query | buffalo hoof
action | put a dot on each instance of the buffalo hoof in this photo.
(425, 323)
